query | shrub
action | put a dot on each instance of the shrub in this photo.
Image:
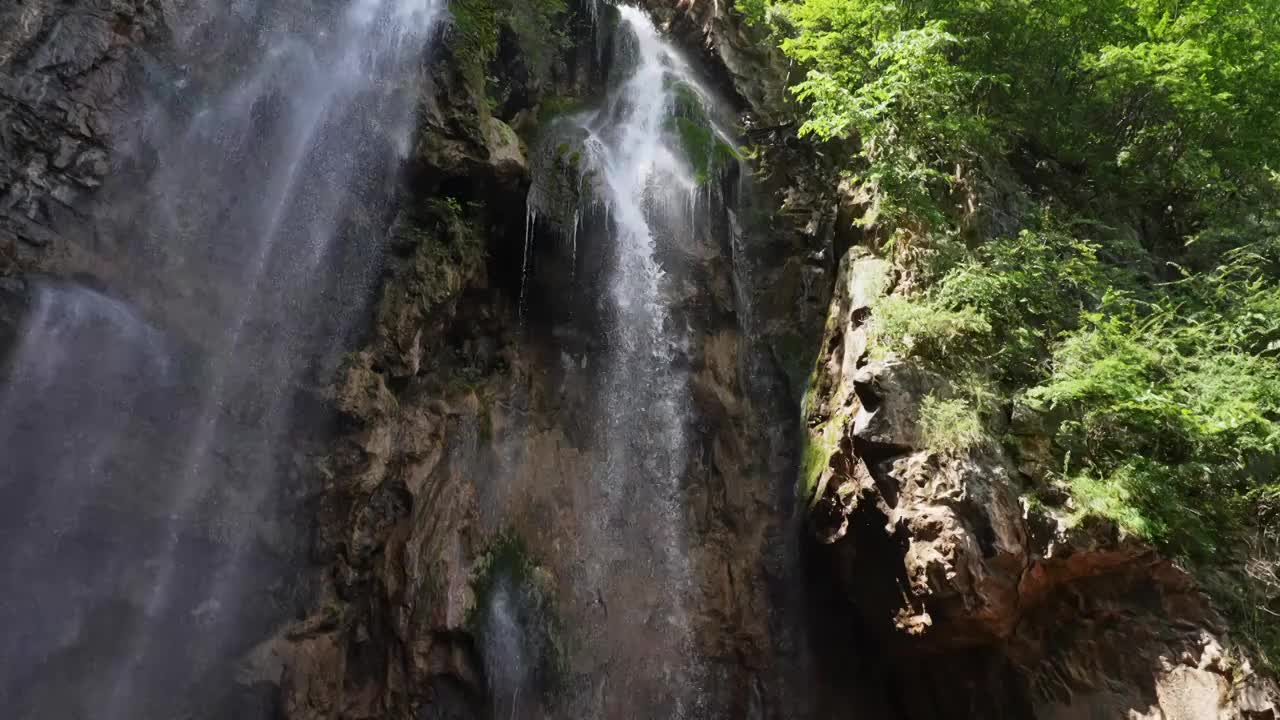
(951, 425)
(1156, 346)
(929, 330)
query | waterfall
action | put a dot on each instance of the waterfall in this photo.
(634, 176)
(61, 422)
(271, 138)
(643, 404)
(176, 411)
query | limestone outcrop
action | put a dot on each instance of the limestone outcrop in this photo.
(941, 557)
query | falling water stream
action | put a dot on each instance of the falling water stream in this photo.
(621, 177)
(154, 476)
(643, 178)
(68, 420)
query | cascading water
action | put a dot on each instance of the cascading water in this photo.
(633, 177)
(643, 395)
(155, 537)
(64, 423)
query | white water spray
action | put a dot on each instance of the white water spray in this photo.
(622, 176)
(257, 161)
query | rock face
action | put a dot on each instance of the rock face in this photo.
(459, 498)
(63, 73)
(64, 76)
(1010, 611)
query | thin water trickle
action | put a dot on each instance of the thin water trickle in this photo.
(573, 247)
(530, 224)
(505, 652)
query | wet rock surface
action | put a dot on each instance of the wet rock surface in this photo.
(470, 427)
(157, 520)
(64, 77)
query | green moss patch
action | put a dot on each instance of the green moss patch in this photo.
(507, 566)
(705, 152)
(821, 443)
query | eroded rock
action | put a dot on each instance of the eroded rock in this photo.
(941, 556)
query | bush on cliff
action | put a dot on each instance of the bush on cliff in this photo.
(1082, 194)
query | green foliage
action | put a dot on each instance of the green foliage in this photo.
(1153, 350)
(999, 308)
(1176, 405)
(1173, 418)
(1030, 288)
(474, 35)
(1172, 401)
(1160, 101)
(910, 107)
(538, 27)
(950, 425)
(1136, 299)
(754, 11)
(928, 329)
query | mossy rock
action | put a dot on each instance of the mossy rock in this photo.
(555, 107)
(449, 250)
(687, 102)
(478, 25)
(794, 352)
(821, 443)
(513, 613)
(441, 251)
(564, 180)
(701, 146)
(704, 151)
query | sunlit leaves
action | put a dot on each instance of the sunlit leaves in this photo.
(1145, 324)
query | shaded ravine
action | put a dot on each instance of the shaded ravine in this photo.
(155, 527)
